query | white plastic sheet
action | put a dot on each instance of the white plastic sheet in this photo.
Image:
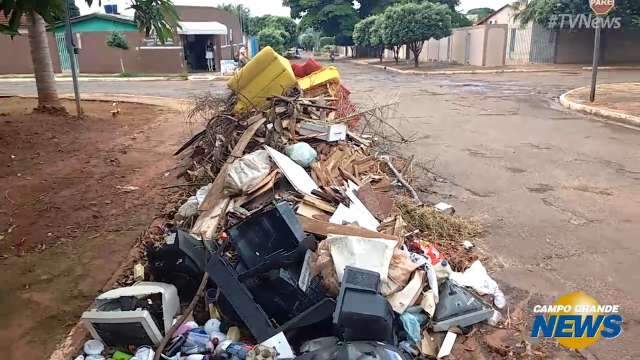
(476, 277)
(364, 253)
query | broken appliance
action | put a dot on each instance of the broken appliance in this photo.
(262, 285)
(362, 313)
(134, 315)
(458, 306)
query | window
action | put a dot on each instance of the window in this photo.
(231, 36)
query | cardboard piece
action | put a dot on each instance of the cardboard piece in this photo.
(408, 296)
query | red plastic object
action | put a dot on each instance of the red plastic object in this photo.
(298, 70)
(311, 66)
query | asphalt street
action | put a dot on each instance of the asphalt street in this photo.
(558, 192)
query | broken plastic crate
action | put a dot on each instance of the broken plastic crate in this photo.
(267, 74)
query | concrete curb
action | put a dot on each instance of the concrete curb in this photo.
(626, 119)
(98, 79)
(463, 72)
(72, 343)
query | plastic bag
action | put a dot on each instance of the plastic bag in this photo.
(411, 322)
(197, 342)
(301, 153)
(247, 172)
(476, 277)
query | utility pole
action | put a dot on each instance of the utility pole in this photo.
(71, 50)
(596, 60)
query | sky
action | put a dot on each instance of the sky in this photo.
(263, 7)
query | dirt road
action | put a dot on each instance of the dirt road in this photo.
(76, 194)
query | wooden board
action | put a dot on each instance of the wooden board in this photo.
(324, 228)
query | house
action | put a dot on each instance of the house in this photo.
(201, 24)
(184, 53)
(534, 43)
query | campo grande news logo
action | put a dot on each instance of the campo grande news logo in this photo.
(577, 321)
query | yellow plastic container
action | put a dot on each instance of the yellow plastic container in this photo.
(267, 74)
(319, 77)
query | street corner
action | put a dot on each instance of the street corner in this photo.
(619, 102)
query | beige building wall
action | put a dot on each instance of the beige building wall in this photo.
(496, 39)
(476, 46)
(457, 47)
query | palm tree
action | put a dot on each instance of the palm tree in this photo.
(39, 12)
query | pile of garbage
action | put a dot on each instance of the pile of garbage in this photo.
(303, 244)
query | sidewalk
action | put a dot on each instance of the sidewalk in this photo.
(95, 77)
(619, 102)
(438, 68)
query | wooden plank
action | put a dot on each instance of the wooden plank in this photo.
(310, 211)
(347, 176)
(320, 204)
(325, 228)
(207, 224)
(241, 200)
(215, 193)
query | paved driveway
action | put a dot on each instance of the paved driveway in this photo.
(558, 192)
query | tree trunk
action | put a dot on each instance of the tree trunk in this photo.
(396, 53)
(121, 62)
(42, 66)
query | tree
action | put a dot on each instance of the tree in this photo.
(157, 16)
(457, 19)
(333, 17)
(307, 41)
(243, 13)
(117, 40)
(285, 24)
(366, 34)
(412, 24)
(481, 13)
(375, 36)
(74, 11)
(37, 13)
(541, 10)
(274, 38)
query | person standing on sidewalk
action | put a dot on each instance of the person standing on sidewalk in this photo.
(209, 56)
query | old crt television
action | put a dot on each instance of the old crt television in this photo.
(135, 315)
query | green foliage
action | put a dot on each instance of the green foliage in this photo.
(74, 11)
(243, 13)
(274, 38)
(482, 12)
(307, 41)
(327, 40)
(157, 16)
(415, 22)
(285, 24)
(117, 40)
(375, 33)
(411, 24)
(333, 17)
(362, 31)
(540, 10)
(372, 7)
(15, 9)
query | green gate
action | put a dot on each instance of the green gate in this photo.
(65, 62)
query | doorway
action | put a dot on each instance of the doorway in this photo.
(195, 52)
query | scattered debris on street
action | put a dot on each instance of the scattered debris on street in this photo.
(301, 238)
